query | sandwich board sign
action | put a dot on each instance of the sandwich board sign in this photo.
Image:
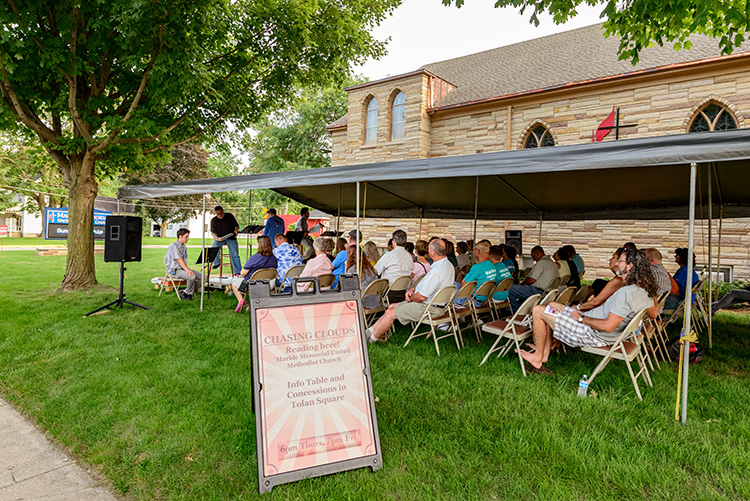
(312, 388)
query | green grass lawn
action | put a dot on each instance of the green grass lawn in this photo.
(159, 402)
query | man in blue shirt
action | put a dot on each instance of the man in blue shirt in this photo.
(286, 257)
(339, 263)
(274, 226)
(481, 272)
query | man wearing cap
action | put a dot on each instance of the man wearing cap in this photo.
(274, 226)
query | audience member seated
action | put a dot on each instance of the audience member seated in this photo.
(416, 299)
(410, 249)
(450, 252)
(607, 287)
(680, 276)
(175, 261)
(462, 256)
(286, 256)
(371, 251)
(263, 258)
(562, 264)
(395, 263)
(496, 256)
(510, 258)
(339, 263)
(541, 275)
(320, 264)
(629, 245)
(576, 258)
(341, 245)
(661, 275)
(482, 272)
(732, 297)
(602, 325)
(421, 266)
(367, 276)
(564, 257)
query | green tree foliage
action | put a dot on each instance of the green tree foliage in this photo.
(642, 23)
(189, 161)
(296, 138)
(110, 85)
(27, 169)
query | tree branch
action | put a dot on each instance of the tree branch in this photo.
(73, 81)
(26, 115)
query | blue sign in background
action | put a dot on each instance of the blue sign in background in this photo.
(56, 223)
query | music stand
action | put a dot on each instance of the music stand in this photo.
(332, 234)
(294, 237)
(210, 254)
(253, 229)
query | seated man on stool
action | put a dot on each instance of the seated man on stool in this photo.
(176, 262)
(440, 275)
(602, 325)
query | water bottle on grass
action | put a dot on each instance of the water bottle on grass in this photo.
(583, 386)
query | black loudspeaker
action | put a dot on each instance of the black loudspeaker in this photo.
(514, 238)
(122, 239)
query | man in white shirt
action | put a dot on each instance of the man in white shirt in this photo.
(441, 275)
(175, 261)
(544, 271)
(395, 263)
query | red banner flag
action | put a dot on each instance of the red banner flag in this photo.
(608, 122)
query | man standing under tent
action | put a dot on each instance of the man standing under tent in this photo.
(603, 325)
(274, 226)
(175, 260)
(224, 229)
(301, 225)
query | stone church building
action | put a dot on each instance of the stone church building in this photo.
(546, 92)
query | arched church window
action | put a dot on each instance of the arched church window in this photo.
(398, 116)
(539, 137)
(713, 117)
(371, 121)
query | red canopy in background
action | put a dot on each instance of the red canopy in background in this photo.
(290, 219)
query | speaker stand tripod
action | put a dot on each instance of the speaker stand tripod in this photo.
(120, 300)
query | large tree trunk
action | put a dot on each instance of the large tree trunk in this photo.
(79, 271)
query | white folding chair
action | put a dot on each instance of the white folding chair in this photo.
(443, 296)
(497, 305)
(170, 281)
(293, 272)
(400, 284)
(326, 279)
(553, 285)
(375, 288)
(548, 297)
(516, 330)
(461, 311)
(629, 346)
(566, 296)
(486, 289)
(582, 295)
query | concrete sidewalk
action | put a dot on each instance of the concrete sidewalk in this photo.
(31, 467)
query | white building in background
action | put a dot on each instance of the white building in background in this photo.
(20, 222)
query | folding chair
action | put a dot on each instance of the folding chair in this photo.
(566, 296)
(486, 289)
(461, 311)
(416, 281)
(269, 274)
(553, 285)
(563, 281)
(375, 288)
(443, 296)
(170, 281)
(629, 346)
(293, 272)
(326, 280)
(582, 295)
(497, 305)
(581, 274)
(398, 285)
(548, 297)
(516, 330)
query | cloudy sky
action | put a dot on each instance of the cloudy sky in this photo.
(426, 31)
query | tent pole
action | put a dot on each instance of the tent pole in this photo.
(421, 215)
(338, 213)
(203, 232)
(357, 215)
(476, 213)
(541, 217)
(688, 295)
(718, 251)
(249, 217)
(710, 261)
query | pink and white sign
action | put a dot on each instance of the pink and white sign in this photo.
(3, 231)
(315, 402)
